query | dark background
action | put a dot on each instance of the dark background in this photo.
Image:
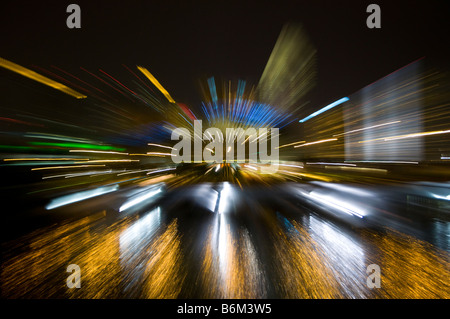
(183, 41)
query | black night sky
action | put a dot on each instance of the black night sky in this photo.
(184, 41)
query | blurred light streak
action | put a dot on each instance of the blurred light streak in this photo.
(398, 137)
(139, 78)
(75, 145)
(317, 142)
(159, 153)
(160, 170)
(301, 262)
(66, 167)
(187, 111)
(139, 233)
(151, 181)
(133, 172)
(361, 169)
(401, 96)
(159, 145)
(91, 173)
(57, 137)
(333, 202)
(69, 175)
(7, 119)
(385, 162)
(345, 256)
(99, 152)
(164, 272)
(135, 239)
(80, 196)
(291, 165)
(136, 154)
(299, 142)
(345, 189)
(134, 93)
(224, 197)
(311, 176)
(103, 81)
(57, 123)
(324, 109)
(39, 78)
(139, 199)
(245, 140)
(187, 121)
(367, 128)
(290, 71)
(223, 246)
(44, 159)
(441, 197)
(324, 163)
(241, 110)
(416, 135)
(55, 76)
(67, 73)
(112, 161)
(21, 163)
(156, 83)
(57, 187)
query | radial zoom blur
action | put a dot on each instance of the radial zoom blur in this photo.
(359, 206)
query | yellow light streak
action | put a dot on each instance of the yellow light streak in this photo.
(69, 166)
(317, 142)
(417, 135)
(158, 153)
(299, 142)
(156, 83)
(111, 161)
(39, 78)
(245, 140)
(367, 128)
(152, 154)
(44, 159)
(398, 137)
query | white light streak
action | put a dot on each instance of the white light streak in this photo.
(139, 199)
(73, 198)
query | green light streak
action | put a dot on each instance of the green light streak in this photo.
(79, 145)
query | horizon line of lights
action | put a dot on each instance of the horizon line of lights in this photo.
(326, 108)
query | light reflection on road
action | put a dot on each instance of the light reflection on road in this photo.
(235, 251)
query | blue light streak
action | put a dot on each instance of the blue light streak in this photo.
(326, 108)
